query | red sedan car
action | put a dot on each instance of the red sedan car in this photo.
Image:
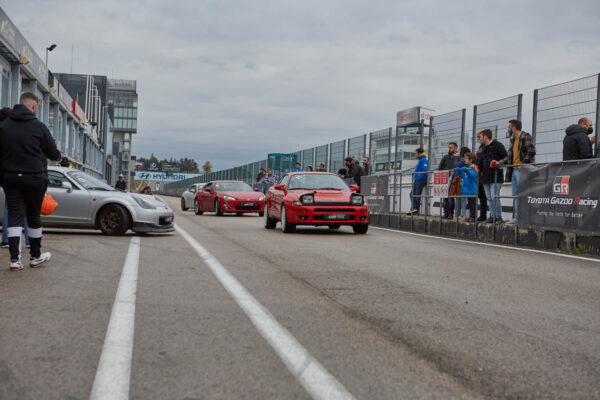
(229, 197)
(315, 198)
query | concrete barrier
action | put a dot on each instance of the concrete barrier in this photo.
(500, 233)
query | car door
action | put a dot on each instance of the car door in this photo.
(277, 198)
(73, 206)
(205, 198)
(189, 195)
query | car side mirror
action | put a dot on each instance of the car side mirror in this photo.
(354, 188)
(67, 185)
(279, 187)
(256, 189)
(192, 190)
(207, 190)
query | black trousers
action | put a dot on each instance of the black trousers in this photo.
(24, 196)
(483, 203)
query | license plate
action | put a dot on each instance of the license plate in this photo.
(336, 216)
(249, 204)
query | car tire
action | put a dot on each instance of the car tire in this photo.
(218, 208)
(239, 213)
(183, 206)
(114, 220)
(334, 226)
(197, 210)
(269, 222)
(286, 227)
(360, 228)
(260, 214)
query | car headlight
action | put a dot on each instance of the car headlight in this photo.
(262, 199)
(357, 200)
(228, 198)
(143, 203)
(308, 199)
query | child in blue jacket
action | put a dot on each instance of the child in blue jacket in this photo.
(469, 174)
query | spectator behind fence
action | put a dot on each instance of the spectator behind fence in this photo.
(298, 168)
(367, 166)
(448, 163)
(483, 206)
(576, 144)
(469, 175)
(309, 168)
(461, 205)
(322, 168)
(520, 151)
(491, 176)
(271, 178)
(354, 170)
(419, 181)
(261, 175)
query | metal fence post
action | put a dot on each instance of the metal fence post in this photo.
(534, 116)
(519, 106)
(462, 130)
(474, 126)
(596, 144)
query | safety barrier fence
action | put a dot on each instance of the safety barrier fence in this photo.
(561, 196)
(392, 151)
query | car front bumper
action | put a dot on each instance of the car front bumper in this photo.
(239, 206)
(153, 220)
(328, 215)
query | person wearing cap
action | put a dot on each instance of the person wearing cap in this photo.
(121, 184)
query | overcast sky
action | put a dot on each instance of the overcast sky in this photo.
(230, 81)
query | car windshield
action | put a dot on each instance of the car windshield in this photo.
(316, 181)
(88, 181)
(233, 187)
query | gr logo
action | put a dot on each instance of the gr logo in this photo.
(561, 185)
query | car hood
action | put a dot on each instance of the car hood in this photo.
(248, 196)
(325, 195)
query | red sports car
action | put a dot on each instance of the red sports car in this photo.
(315, 198)
(229, 197)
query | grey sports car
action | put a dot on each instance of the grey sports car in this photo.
(89, 203)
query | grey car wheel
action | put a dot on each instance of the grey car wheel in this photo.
(197, 208)
(183, 206)
(218, 208)
(269, 223)
(286, 227)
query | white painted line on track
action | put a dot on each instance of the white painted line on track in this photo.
(549, 253)
(315, 379)
(114, 368)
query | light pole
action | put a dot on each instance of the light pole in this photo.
(48, 49)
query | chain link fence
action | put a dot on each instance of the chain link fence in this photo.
(558, 106)
(495, 116)
(445, 128)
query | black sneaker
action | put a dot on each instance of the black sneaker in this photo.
(482, 218)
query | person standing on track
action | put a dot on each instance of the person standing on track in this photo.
(25, 146)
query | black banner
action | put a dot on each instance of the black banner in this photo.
(560, 196)
(375, 190)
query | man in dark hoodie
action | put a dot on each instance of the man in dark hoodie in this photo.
(576, 144)
(492, 178)
(25, 144)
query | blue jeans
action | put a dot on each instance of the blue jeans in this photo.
(5, 226)
(417, 191)
(462, 205)
(492, 190)
(516, 175)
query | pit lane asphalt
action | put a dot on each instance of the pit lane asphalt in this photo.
(389, 315)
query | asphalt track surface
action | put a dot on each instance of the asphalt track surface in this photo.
(224, 309)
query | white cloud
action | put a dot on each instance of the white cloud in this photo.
(230, 81)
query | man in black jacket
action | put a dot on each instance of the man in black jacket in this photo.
(491, 177)
(448, 163)
(576, 144)
(355, 171)
(25, 144)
